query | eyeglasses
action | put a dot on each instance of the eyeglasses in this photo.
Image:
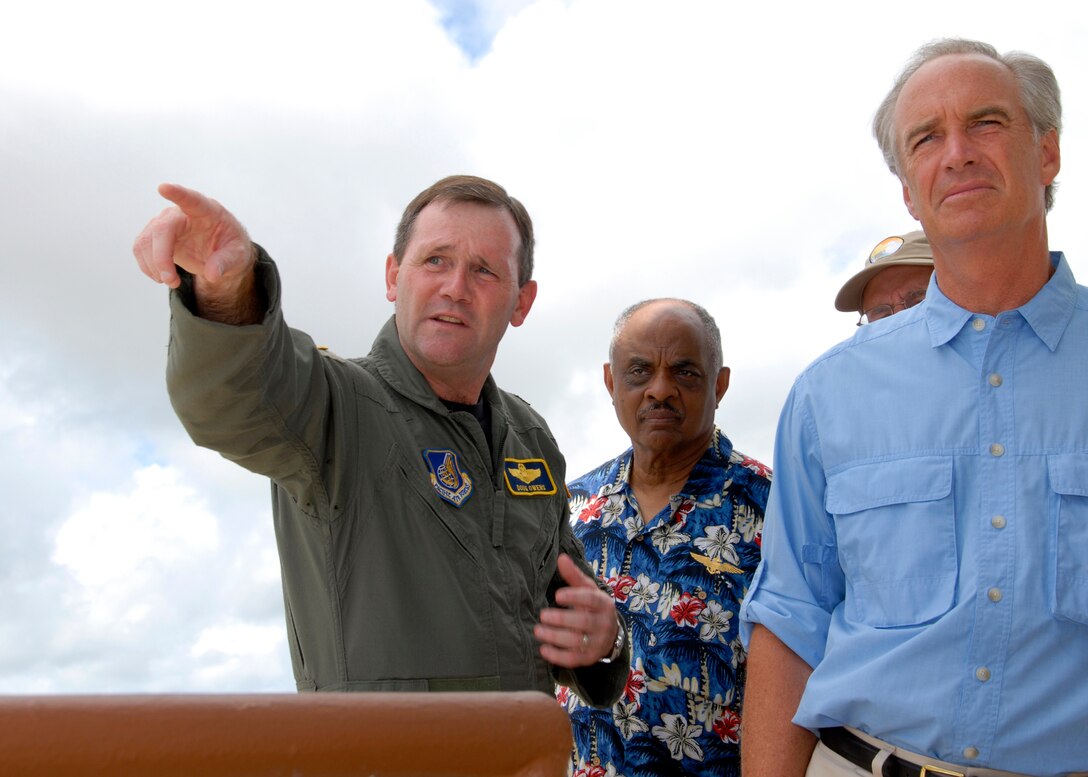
(877, 312)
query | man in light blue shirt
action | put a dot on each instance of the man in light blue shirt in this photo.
(922, 602)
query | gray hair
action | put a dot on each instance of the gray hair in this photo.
(1039, 93)
(710, 328)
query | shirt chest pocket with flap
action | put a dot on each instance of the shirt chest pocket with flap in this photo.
(1069, 586)
(895, 524)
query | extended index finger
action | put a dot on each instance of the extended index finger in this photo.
(192, 203)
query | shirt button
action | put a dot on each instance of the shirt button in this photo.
(994, 594)
(983, 674)
(997, 449)
(995, 379)
(970, 752)
(978, 324)
(998, 522)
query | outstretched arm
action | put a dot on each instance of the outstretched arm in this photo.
(203, 238)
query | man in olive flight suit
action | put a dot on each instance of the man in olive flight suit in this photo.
(420, 510)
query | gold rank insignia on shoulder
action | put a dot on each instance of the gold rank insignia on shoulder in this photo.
(528, 477)
(324, 351)
(450, 481)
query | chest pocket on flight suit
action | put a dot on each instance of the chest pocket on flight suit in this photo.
(895, 522)
(1069, 582)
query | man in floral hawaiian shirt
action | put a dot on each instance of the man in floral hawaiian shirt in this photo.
(673, 526)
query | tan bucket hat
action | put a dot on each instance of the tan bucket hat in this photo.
(910, 249)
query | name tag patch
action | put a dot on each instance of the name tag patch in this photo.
(450, 481)
(528, 477)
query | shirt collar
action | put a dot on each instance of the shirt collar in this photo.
(619, 474)
(1048, 312)
(398, 371)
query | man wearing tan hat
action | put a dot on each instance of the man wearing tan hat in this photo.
(895, 277)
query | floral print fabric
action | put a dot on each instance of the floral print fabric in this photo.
(678, 581)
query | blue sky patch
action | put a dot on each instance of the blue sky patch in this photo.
(472, 24)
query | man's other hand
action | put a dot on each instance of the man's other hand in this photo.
(582, 629)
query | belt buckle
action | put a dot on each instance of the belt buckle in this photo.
(927, 770)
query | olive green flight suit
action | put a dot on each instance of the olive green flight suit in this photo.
(389, 585)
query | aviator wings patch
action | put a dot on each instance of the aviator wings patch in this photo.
(528, 477)
(715, 566)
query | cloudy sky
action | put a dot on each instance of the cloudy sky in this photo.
(710, 150)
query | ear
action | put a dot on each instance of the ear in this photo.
(608, 384)
(392, 268)
(908, 200)
(1052, 157)
(721, 385)
(526, 295)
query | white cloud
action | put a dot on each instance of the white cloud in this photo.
(225, 652)
(237, 640)
(131, 56)
(122, 541)
(702, 149)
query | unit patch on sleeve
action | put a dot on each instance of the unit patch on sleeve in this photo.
(528, 477)
(450, 481)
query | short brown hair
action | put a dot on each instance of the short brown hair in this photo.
(470, 188)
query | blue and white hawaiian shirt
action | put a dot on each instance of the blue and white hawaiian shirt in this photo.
(678, 581)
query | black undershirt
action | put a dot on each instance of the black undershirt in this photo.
(481, 411)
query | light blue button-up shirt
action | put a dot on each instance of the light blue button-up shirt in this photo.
(926, 540)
